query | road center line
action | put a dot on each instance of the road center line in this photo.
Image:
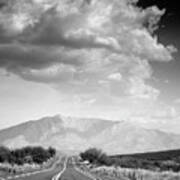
(56, 177)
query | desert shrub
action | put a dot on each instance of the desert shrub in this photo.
(94, 155)
(51, 151)
(26, 155)
(4, 154)
(149, 161)
(132, 175)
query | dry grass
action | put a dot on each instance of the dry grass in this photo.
(8, 169)
(132, 174)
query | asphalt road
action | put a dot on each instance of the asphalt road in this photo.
(47, 174)
(71, 173)
(65, 170)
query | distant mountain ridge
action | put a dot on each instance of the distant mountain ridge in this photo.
(77, 134)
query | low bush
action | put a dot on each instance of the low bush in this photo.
(24, 155)
(140, 161)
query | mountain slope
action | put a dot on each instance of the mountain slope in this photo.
(126, 137)
(76, 134)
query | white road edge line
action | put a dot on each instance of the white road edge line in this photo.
(26, 174)
(56, 177)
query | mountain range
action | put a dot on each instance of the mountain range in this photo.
(70, 134)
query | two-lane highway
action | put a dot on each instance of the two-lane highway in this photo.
(64, 170)
(71, 173)
(46, 174)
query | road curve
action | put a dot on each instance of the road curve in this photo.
(67, 170)
(71, 173)
(46, 174)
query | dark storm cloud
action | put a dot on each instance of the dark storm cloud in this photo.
(44, 42)
(52, 30)
(3, 3)
(15, 56)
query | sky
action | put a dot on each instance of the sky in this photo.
(117, 60)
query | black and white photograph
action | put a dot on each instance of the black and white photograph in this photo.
(89, 90)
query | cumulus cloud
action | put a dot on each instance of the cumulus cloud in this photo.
(100, 44)
(115, 76)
